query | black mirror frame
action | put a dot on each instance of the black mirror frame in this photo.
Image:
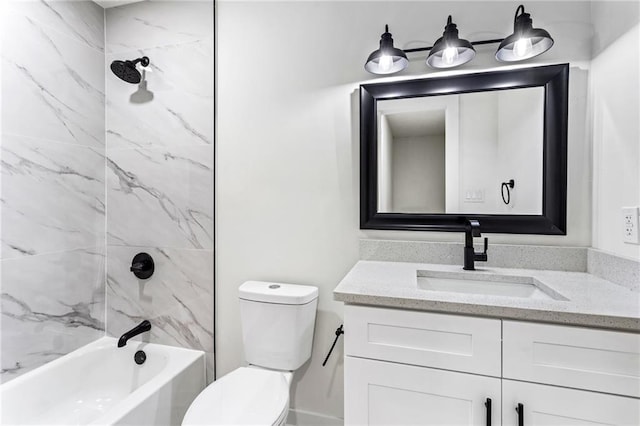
(553, 221)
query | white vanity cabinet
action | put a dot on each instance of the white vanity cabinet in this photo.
(388, 393)
(407, 367)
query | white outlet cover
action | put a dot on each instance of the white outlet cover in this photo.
(630, 225)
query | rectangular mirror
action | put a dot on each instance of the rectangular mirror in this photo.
(490, 146)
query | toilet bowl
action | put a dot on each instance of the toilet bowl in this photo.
(246, 396)
(277, 331)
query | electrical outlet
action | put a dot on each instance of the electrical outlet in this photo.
(630, 225)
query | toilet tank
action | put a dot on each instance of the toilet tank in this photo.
(277, 323)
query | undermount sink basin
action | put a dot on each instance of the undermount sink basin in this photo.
(486, 284)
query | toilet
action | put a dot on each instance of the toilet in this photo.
(277, 331)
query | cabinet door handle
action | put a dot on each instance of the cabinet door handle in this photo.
(488, 405)
(520, 410)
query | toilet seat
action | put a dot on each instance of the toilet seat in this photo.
(246, 396)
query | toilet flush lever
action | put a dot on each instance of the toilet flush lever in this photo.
(339, 331)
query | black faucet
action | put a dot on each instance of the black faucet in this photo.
(138, 329)
(472, 229)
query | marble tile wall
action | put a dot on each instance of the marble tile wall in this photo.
(52, 279)
(160, 172)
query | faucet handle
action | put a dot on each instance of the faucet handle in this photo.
(482, 257)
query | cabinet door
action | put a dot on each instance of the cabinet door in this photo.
(550, 405)
(385, 393)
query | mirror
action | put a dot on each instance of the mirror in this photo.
(489, 146)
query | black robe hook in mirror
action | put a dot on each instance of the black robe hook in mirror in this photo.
(508, 185)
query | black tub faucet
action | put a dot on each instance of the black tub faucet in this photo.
(472, 229)
(138, 329)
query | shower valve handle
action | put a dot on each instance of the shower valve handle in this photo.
(142, 266)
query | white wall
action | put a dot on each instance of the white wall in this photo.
(616, 130)
(418, 174)
(385, 166)
(520, 132)
(287, 147)
(478, 150)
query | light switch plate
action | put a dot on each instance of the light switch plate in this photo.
(474, 196)
(630, 225)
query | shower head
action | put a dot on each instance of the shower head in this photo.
(126, 70)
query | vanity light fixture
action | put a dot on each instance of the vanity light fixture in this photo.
(387, 59)
(525, 42)
(450, 51)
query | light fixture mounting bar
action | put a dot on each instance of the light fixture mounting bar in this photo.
(474, 43)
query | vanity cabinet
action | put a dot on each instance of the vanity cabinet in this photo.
(407, 367)
(388, 393)
(552, 405)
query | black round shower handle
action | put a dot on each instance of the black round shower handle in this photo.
(142, 266)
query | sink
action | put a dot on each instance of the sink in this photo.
(486, 284)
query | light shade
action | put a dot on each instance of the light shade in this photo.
(525, 42)
(387, 59)
(450, 51)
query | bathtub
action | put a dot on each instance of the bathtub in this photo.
(100, 384)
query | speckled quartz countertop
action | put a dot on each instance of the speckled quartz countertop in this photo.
(591, 301)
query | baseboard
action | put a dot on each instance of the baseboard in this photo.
(306, 418)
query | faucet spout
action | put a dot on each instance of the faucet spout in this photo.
(471, 230)
(138, 329)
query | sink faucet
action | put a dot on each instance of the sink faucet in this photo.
(138, 329)
(472, 229)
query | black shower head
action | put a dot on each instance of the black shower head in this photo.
(126, 70)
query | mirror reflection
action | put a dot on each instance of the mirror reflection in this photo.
(479, 153)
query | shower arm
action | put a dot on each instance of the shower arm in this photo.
(144, 61)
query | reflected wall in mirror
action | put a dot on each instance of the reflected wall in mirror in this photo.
(454, 153)
(492, 146)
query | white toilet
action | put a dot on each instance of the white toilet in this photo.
(277, 331)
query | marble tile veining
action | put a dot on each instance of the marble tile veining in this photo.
(52, 196)
(82, 20)
(151, 24)
(50, 305)
(173, 106)
(161, 198)
(177, 299)
(52, 85)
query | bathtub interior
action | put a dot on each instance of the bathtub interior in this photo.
(88, 383)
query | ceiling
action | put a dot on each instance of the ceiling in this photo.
(417, 123)
(113, 3)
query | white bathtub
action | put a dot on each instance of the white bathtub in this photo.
(100, 384)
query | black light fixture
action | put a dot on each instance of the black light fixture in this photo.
(525, 42)
(387, 59)
(450, 51)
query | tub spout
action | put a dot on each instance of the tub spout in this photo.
(138, 329)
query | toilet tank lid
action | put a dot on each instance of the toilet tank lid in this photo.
(286, 294)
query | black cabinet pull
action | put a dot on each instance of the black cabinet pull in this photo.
(520, 410)
(488, 405)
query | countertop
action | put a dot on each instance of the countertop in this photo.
(592, 301)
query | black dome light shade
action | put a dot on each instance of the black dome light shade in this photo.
(450, 51)
(525, 42)
(387, 59)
